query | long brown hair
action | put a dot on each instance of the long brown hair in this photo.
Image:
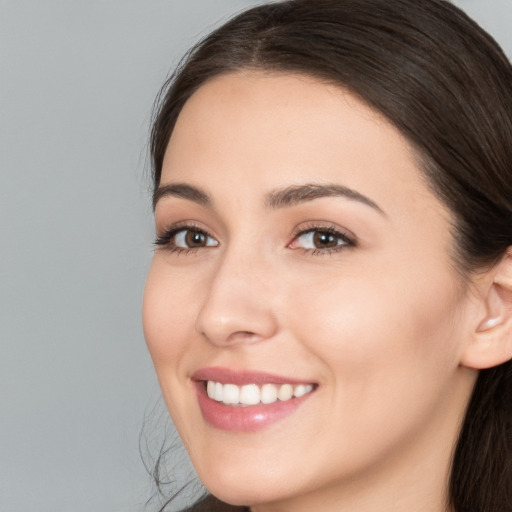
(447, 86)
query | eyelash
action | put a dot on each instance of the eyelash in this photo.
(348, 240)
(165, 240)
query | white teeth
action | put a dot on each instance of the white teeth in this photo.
(230, 394)
(268, 393)
(210, 389)
(302, 389)
(285, 392)
(299, 390)
(252, 394)
(218, 392)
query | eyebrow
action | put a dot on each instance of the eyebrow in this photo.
(294, 195)
(281, 198)
(184, 191)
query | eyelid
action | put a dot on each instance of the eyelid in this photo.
(165, 236)
(344, 234)
(325, 225)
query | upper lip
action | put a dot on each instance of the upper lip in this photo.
(241, 377)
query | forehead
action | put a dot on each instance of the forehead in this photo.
(262, 131)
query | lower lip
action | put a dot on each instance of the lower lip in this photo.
(244, 419)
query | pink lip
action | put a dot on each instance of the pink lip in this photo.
(241, 377)
(249, 418)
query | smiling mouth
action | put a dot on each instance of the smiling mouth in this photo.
(247, 400)
(254, 394)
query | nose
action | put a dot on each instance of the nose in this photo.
(238, 307)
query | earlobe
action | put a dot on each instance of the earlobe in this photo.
(491, 343)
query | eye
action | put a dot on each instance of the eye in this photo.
(185, 238)
(324, 239)
(190, 239)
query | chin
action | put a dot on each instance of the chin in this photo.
(248, 494)
(249, 486)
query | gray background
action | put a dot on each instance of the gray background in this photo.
(78, 78)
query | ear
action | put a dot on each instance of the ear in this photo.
(491, 342)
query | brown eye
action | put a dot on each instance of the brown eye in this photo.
(193, 239)
(323, 240)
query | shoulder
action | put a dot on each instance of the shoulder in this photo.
(212, 504)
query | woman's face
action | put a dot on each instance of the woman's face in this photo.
(300, 252)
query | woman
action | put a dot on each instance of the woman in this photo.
(329, 308)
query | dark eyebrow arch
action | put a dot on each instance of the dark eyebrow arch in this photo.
(184, 191)
(293, 195)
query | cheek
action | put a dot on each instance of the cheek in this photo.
(167, 314)
(394, 333)
(389, 354)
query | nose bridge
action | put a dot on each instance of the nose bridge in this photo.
(238, 303)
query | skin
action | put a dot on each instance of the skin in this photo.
(381, 324)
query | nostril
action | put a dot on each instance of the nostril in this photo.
(246, 336)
